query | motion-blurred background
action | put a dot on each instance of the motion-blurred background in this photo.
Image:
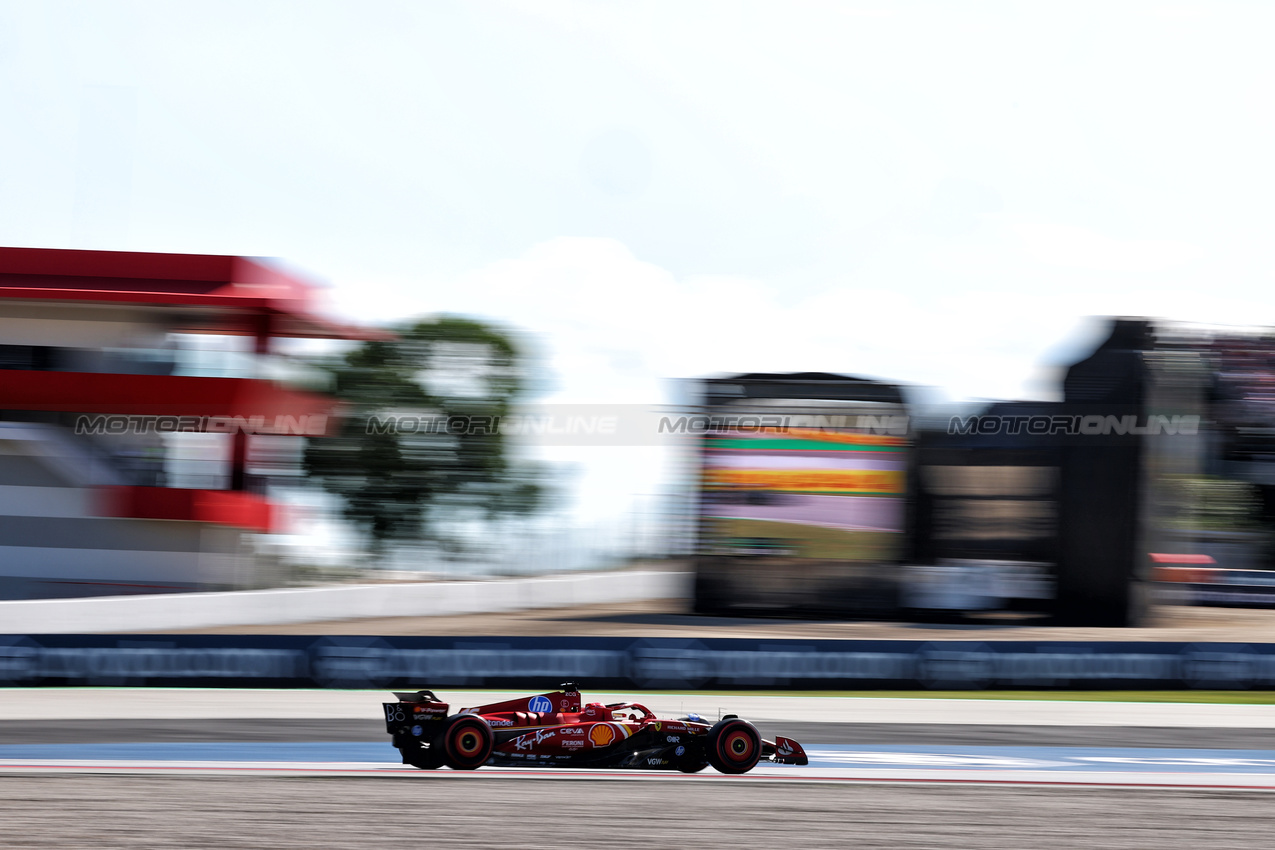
(797, 299)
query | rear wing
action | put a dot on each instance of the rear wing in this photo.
(413, 708)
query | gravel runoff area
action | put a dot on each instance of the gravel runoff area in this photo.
(683, 812)
(673, 618)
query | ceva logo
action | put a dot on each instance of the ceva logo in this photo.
(540, 705)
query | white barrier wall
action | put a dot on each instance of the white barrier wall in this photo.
(345, 602)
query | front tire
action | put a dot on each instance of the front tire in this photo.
(466, 743)
(734, 746)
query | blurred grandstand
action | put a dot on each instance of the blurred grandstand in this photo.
(153, 432)
(1159, 452)
(133, 458)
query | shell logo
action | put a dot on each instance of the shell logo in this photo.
(601, 735)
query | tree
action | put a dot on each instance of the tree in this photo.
(419, 450)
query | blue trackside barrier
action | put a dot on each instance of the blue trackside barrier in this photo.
(622, 663)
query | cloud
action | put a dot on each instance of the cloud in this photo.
(1082, 248)
(614, 328)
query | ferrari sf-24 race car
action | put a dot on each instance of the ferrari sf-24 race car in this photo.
(554, 730)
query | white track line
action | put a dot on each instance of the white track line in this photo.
(765, 773)
(221, 704)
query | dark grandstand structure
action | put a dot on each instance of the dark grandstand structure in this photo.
(1162, 450)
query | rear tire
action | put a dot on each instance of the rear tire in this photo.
(466, 743)
(734, 746)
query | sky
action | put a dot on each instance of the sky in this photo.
(935, 193)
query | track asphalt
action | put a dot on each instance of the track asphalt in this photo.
(341, 732)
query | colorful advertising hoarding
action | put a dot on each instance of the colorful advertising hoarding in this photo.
(822, 494)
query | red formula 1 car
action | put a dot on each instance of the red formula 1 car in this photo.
(554, 730)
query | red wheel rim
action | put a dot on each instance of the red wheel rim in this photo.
(737, 746)
(467, 742)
